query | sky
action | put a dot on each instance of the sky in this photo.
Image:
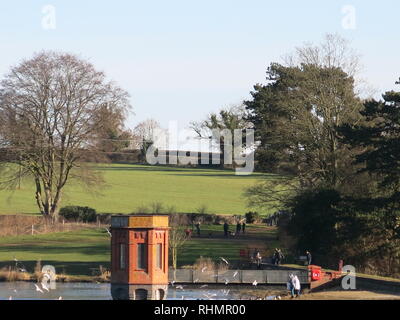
(181, 60)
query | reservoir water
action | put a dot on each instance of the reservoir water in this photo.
(101, 291)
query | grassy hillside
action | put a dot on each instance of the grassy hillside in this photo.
(131, 186)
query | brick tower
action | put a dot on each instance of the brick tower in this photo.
(139, 257)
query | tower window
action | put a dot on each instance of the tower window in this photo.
(142, 256)
(159, 255)
(122, 256)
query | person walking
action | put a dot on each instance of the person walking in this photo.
(198, 228)
(275, 256)
(309, 257)
(290, 285)
(278, 256)
(297, 286)
(258, 259)
(188, 233)
(226, 229)
(238, 228)
(243, 226)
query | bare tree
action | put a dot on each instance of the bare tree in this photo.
(49, 107)
(177, 238)
(146, 129)
(333, 52)
(144, 133)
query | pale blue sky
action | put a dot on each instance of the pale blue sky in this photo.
(180, 60)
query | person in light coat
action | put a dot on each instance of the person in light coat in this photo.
(296, 285)
(290, 285)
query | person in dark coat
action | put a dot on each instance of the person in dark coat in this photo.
(226, 229)
(198, 228)
(278, 256)
(309, 257)
(238, 228)
(243, 226)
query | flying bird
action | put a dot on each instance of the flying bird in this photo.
(225, 292)
(204, 269)
(108, 231)
(179, 287)
(209, 296)
(45, 287)
(38, 289)
(204, 285)
(255, 283)
(235, 274)
(224, 260)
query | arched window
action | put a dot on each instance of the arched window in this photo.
(140, 294)
(160, 294)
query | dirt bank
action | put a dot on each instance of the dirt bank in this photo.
(350, 295)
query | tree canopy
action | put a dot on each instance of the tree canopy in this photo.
(296, 115)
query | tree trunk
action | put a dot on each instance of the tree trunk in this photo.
(174, 257)
(38, 196)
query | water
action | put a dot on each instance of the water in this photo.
(101, 291)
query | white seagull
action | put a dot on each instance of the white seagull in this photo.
(108, 231)
(204, 269)
(255, 283)
(45, 287)
(38, 289)
(209, 296)
(224, 260)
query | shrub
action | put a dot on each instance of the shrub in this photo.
(202, 209)
(204, 264)
(76, 213)
(252, 217)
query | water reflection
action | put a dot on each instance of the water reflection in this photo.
(101, 291)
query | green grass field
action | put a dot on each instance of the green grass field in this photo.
(128, 187)
(78, 252)
(70, 252)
